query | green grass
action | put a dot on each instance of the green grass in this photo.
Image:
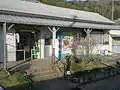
(86, 64)
(16, 79)
(75, 67)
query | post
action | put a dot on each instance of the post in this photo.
(54, 31)
(110, 44)
(54, 37)
(64, 71)
(4, 40)
(112, 16)
(24, 55)
(88, 31)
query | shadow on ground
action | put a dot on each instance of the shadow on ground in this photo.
(24, 65)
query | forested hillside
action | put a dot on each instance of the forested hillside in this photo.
(103, 7)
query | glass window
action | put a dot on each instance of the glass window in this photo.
(98, 38)
(48, 38)
(116, 40)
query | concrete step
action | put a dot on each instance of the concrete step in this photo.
(45, 77)
(33, 70)
(44, 73)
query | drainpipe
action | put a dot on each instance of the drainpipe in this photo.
(54, 31)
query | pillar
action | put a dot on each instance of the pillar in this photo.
(88, 31)
(110, 42)
(4, 45)
(1, 45)
(53, 43)
(54, 31)
(42, 43)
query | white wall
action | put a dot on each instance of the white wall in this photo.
(11, 45)
(44, 50)
(41, 42)
(48, 50)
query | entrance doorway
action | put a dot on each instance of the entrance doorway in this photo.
(28, 40)
(48, 45)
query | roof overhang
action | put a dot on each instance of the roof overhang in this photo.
(52, 22)
(114, 33)
(31, 8)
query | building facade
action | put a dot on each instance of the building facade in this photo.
(43, 30)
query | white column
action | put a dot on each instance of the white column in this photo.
(42, 41)
(53, 30)
(54, 36)
(88, 31)
(110, 43)
(1, 45)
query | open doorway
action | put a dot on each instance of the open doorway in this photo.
(26, 41)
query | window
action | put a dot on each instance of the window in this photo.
(106, 39)
(116, 40)
(77, 36)
(98, 38)
(48, 38)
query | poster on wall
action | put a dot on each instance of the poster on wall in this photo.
(65, 45)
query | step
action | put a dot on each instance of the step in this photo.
(33, 70)
(44, 73)
(46, 77)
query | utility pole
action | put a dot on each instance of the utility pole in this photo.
(112, 15)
